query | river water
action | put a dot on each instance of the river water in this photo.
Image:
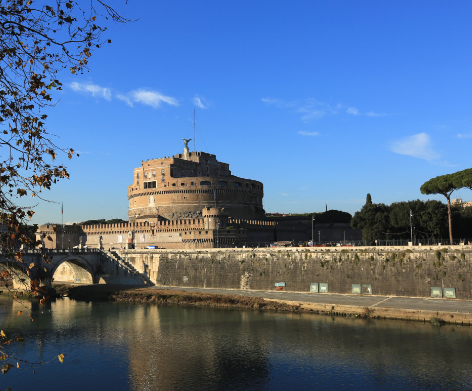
(116, 346)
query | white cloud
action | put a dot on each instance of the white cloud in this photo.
(372, 114)
(352, 110)
(142, 95)
(200, 102)
(93, 89)
(355, 111)
(125, 99)
(151, 98)
(304, 133)
(464, 135)
(314, 109)
(418, 145)
(278, 103)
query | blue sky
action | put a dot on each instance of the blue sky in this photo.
(322, 101)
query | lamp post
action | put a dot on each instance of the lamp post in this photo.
(411, 227)
(312, 222)
(319, 237)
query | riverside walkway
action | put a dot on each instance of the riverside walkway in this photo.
(396, 306)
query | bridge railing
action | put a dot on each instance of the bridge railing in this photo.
(58, 251)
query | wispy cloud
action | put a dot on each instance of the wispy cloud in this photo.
(418, 145)
(304, 133)
(355, 111)
(314, 109)
(281, 104)
(93, 89)
(144, 96)
(125, 99)
(200, 102)
(460, 135)
(352, 111)
(372, 114)
(151, 98)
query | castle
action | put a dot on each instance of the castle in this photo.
(188, 201)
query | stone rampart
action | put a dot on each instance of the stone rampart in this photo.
(402, 271)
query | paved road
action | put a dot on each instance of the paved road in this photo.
(406, 303)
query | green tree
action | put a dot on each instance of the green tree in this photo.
(445, 185)
(464, 178)
(429, 218)
(373, 220)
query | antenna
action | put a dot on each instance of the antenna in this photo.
(194, 134)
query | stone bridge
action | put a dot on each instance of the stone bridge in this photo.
(89, 266)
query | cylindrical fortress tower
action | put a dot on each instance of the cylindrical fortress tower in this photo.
(180, 187)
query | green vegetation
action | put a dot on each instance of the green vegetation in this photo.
(430, 219)
(445, 185)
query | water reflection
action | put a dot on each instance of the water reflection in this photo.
(146, 347)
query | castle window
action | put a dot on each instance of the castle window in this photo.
(182, 184)
(137, 175)
(185, 198)
(137, 182)
(153, 172)
(205, 183)
(173, 184)
(191, 183)
(162, 172)
(222, 183)
(163, 179)
(150, 185)
(247, 184)
(145, 175)
(236, 184)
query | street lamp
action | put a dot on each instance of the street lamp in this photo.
(411, 227)
(312, 222)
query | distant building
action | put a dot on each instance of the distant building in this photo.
(459, 202)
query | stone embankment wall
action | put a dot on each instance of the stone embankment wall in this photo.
(403, 271)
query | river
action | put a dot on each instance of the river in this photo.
(117, 346)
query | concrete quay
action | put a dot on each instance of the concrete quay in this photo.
(384, 307)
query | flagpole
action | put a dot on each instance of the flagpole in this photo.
(62, 223)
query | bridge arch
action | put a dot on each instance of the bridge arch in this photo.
(73, 269)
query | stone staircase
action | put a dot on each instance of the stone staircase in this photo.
(128, 267)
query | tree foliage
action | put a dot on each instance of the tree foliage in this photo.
(38, 40)
(380, 221)
(446, 185)
(372, 220)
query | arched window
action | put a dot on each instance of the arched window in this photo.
(205, 183)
